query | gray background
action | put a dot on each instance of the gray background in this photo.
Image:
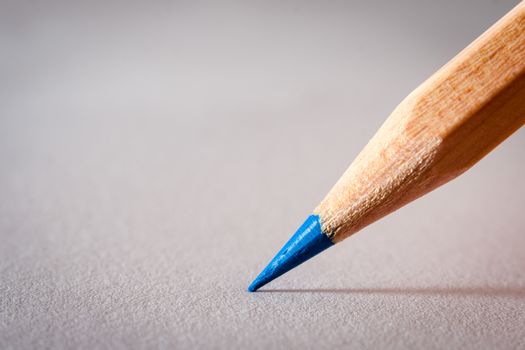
(155, 155)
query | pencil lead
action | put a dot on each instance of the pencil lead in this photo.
(308, 241)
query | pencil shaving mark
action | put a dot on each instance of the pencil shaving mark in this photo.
(377, 198)
(438, 132)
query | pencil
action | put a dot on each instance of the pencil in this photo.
(439, 131)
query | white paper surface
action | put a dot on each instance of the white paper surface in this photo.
(155, 156)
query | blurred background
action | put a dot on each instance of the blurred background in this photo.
(156, 154)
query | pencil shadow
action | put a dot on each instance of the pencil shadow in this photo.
(481, 291)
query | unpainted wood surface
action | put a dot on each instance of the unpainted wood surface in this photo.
(439, 131)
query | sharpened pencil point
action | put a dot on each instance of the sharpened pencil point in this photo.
(308, 241)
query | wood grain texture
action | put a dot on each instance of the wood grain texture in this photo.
(438, 132)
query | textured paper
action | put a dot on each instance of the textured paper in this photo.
(156, 155)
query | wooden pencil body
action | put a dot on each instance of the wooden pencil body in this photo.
(439, 131)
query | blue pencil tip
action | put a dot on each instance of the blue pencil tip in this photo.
(308, 241)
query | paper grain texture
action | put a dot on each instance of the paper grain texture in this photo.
(155, 155)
